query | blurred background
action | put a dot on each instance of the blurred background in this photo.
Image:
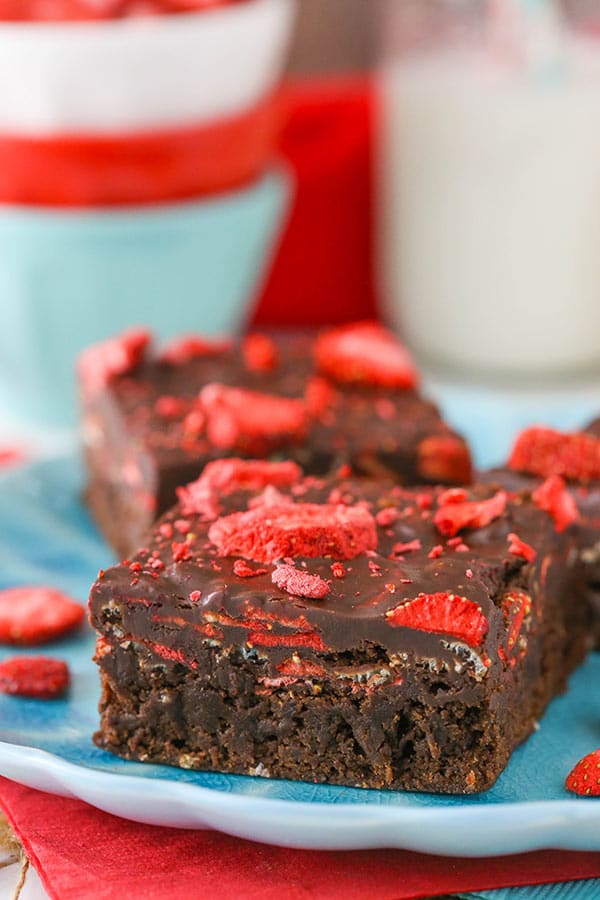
(214, 165)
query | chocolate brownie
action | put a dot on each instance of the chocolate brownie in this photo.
(558, 459)
(339, 631)
(152, 421)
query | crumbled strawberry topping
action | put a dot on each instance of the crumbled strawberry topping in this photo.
(444, 459)
(243, 570)
(407, 547)
(171, 407)
(99, 364)
(584, 778)
(553, 497)
(319, 396)
(180, 551)
(338, 570)
(435, 552)
(269, 533)
(545, 452)
(224, 476)
(36, 615)
(183, 349)
(300, 583)
(252, 421)
(453, 517)
(34, 676)
(442, 613)
(519, 548)
(365, 353)
(452, 495)
(260, 353)
(386, 516)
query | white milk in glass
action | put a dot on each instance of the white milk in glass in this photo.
(490, 208)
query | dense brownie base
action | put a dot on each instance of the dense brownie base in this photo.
(215, 718)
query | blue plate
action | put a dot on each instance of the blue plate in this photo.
(47, 537)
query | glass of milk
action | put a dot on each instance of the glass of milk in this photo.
(489, 177)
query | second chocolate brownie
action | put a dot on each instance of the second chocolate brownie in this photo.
(152, 420)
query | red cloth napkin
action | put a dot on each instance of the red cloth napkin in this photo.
(83, 854)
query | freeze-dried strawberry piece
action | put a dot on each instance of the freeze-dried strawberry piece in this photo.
(553, 497)
(442, 613)
(365, 353)
(519, 548)
(35, 615)
(319, 396)
(224, 476)
(453, 517)
(300, 583)
(444, 459)
(189, 346)
(269, 533)
(545, 452)
(34, 676)
(260, 353)
(243, 570)
(252, 421)
(99, 364)
(584, 778)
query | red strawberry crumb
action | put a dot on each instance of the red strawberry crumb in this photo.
(252, 421)
(374, 568)
(34, 676)
(452, 495)
(300, 583)
(344, 471)
(553, 497)
(365, 353)
(424, 501)
(407, 547)
(182, 525)
(99, 364)
(166, 530)
(259, 353)
(266, 534)
(453, 517)
(519, 548)
(442, 613)
(194, 423)
(444, 458)
(36, 615)
(195, 596)
(243, 570)
(435, 552)
(386, 516)
(584, 778)
(391, 588)
(171, 407)
(180, 551)
(319, 396)
(338, 570)
(545, 452)
(183, 349)
(469, 573)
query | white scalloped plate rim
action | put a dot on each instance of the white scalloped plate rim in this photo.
(496, 829)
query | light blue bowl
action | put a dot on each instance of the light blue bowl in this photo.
(69, 278)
